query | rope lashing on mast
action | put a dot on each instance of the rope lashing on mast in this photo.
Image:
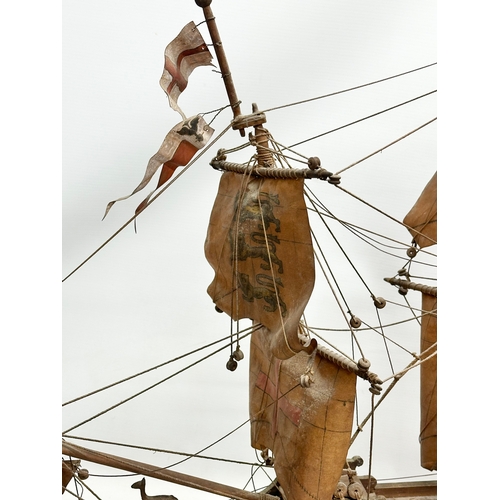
(278, 173)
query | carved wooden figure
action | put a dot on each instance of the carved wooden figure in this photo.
(141, 485)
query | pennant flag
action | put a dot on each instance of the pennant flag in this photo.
(178, 148)
(259, 245)
(422, 218)
(185, 53)
(308, 429)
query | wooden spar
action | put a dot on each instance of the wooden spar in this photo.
(429, 290)
(116, 462)
(221, 58)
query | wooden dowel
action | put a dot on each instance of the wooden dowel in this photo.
(156, 472)
(221, 58)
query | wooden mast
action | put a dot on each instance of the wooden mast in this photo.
(156, 472)
(221, 58)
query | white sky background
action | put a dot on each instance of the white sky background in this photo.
(129, 308)
(142, 299)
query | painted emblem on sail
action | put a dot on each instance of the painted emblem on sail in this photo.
(259, 245)
(250, 210)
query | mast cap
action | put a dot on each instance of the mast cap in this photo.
(203, 3)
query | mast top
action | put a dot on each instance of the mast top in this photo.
(221, 58)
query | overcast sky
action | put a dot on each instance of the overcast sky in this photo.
(117, 312)
(142, 299)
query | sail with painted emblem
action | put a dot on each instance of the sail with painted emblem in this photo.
(302, 395)
(259, 245)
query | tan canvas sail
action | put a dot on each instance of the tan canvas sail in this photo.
(259, 245)
(422, 222)
(307, 429)
(428, 385)
(422, 218)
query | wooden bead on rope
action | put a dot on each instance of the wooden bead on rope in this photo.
(83, 474)
(231, 365)
(238, 354)
(355, 322)
(355, 490)
(363, 364)
(341, 490)
(411, 252)
(314, 163)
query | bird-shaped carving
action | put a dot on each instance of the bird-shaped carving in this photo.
(141, 485)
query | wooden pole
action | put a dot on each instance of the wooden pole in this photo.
(116, 462)
(221, 58)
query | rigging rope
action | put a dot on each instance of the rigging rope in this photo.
(386, 146)
(74, 494)
(418, 363)
(313, 328)
(234, 430)
(338, 186)
(358, 230)
(153, 198)
(78, 481)
(349, 89)
(343, 251)
(385, 340)
(397, 377)
(160, 450)
(372, 429)
(151, 369)
(148, 388)
(365, 118)
(388, 338)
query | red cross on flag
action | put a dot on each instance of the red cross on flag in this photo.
(182, 55)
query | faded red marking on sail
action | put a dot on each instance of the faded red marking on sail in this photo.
(175, 69)
(292, 412)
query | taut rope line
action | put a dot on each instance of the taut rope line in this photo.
(150, 201)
